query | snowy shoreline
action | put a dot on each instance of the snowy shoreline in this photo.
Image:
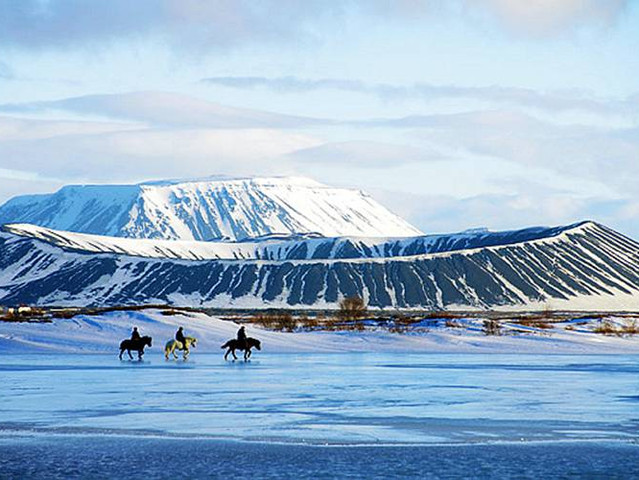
(102, 333)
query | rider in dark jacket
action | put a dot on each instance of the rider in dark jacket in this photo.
(135, 335)
(241, 336)
(179, 336)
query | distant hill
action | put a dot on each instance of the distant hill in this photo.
(585, 266)
(208, 209)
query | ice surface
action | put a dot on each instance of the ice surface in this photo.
(337, 399)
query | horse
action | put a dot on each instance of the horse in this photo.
(235, 344)
(136, 345)
(173, 345)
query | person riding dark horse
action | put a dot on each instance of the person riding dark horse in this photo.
(135, 335)
(241, 336)
(179, 336)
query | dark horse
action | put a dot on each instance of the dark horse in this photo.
(236, 344)
(135, 345)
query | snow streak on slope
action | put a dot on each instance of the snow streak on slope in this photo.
(209, 209)
(294, 247)
(578, 268)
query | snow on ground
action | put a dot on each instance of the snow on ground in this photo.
(103, 333)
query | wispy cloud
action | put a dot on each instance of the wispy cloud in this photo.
(522, 97)
(160, 108)
(588, 152)
(154, 152)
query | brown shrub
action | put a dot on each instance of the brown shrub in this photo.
(283, 321)
(534, 323)
(607, 328)
(492, 327)
(352, 308)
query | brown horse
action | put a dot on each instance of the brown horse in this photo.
(236, 344)
(135, 345)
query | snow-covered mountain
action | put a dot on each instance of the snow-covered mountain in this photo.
(581, 267)
(209, 209)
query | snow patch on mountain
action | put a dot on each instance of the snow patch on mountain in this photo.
(209, 209)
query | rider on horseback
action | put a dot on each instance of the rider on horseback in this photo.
(179, 336)
(135, 335)
(241, 336)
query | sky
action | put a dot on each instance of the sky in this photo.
(455, 114)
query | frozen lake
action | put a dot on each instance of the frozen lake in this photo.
(327, 402)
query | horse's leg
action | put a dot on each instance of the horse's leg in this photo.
(249, 352)
(130, 356)
(234, 356)
(121, 352)
(227, 354)
(140, 353)
(174, 351)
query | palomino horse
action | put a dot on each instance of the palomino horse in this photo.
(235, 344)
(173, 345)
(135, 345)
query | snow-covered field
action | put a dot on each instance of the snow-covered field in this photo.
(103, 333)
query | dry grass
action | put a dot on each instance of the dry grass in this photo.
(282, 321)
(608, 328)
(534, 323)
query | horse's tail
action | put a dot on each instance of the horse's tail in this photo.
(227, 344)
(122, 344)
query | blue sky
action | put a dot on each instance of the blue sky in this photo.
(455, 114)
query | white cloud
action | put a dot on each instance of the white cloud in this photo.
(162, 108)
(128, 155)
(586, 152)
(549, 17)
(549, 101)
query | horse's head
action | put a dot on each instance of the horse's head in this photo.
(256, 343)
(192, 341)
(146, 340)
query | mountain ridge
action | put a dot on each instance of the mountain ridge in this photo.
(588, 267)
(294, 247)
